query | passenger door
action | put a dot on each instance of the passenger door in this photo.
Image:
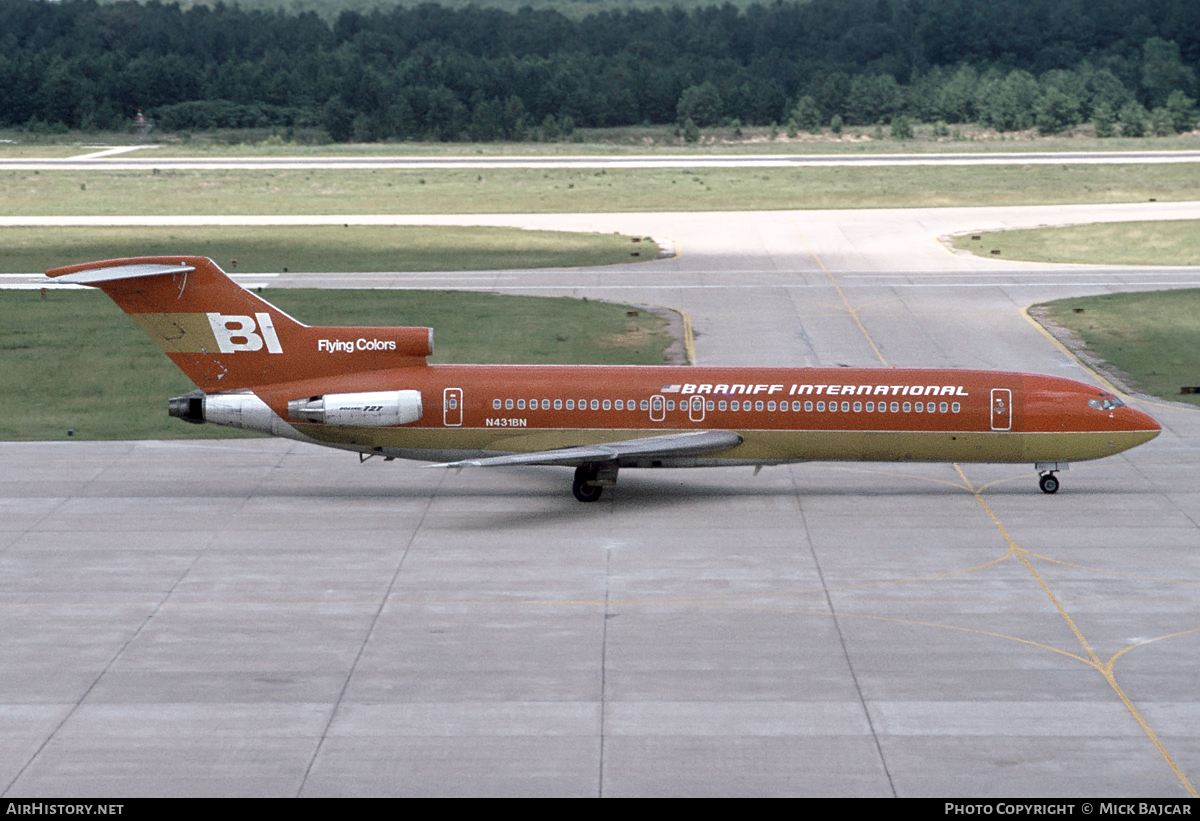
(452, 414)
(1001, 409)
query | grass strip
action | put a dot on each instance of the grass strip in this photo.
(458, 191)
(74, 361)
(322, 248)
(1166, 242)
(1152, 339)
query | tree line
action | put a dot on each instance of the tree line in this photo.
(428, 72)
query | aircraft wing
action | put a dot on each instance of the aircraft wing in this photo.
(692, 443)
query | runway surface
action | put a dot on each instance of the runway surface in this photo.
(123, 159)
(261, 617)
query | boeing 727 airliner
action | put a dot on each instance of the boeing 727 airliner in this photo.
(371, 391)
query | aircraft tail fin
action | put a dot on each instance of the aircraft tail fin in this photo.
(227, 338)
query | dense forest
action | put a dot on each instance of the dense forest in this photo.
(429, 72)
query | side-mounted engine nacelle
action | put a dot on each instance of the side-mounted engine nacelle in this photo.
(376, 409)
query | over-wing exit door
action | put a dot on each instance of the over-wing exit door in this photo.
(658, 408)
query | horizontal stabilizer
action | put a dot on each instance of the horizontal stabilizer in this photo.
(693, 443)
(91, 276)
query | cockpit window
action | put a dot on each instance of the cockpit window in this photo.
(1106, 401)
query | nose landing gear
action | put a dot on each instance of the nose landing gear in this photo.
(1047, 481)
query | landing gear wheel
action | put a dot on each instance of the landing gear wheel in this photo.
(583, 491)
(1048, 483)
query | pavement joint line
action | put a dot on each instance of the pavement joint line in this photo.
(849, 308)
(604, 665)
(153, 610)
(832, 611)
(380, 606)
(1093, 660)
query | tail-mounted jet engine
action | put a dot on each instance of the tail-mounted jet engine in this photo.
(235, 409)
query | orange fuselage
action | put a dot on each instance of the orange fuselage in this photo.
(782, 414)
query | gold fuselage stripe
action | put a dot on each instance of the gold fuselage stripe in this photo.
(767, 445)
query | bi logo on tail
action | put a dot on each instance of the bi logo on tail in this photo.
(238, 333)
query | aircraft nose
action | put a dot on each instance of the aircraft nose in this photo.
(1148, 422)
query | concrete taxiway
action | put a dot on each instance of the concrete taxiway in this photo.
(261, 617)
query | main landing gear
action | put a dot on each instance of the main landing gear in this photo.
(582, 487)
(590, 480)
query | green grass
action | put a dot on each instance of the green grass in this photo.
(1154, 338)
(494, 329)
(322, 248)
(1169, 242)
(457, 191)
(74, 361)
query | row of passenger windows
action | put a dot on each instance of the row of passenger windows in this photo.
(608, 404)
(736, 405)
